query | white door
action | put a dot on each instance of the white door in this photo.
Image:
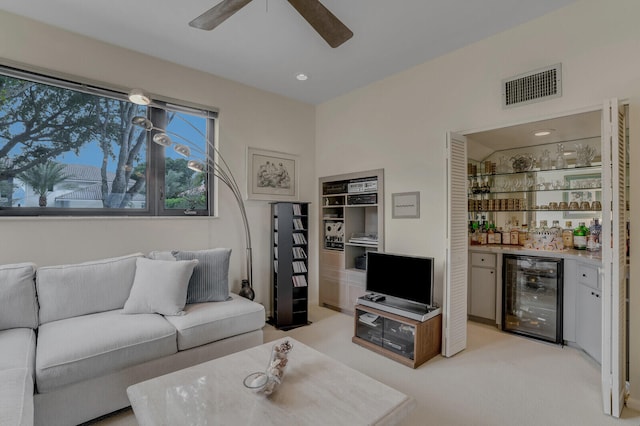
(455, 289)
(613, 257)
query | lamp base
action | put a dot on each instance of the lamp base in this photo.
(246, 291)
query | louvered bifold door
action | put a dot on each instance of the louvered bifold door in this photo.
(613, 258)
(455, 292)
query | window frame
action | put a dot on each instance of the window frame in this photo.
(155, 158)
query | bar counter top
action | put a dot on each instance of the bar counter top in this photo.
(593, 257)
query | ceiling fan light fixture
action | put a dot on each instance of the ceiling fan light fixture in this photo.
(137, 96)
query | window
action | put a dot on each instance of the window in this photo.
(69, 149)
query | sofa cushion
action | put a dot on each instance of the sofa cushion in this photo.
(16, 397)
(160, 286)
(80, 348)
(67, 291)
(209, 322)
(160, 255)
(18, 349)
(210, 279)
(18, 305)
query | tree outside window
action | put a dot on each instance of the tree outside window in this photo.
(66, 150)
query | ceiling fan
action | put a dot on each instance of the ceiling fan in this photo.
(330, 28)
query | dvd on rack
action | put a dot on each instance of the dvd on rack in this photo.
(298, 253)
(299, 267)
(299, 238)
(299, 281)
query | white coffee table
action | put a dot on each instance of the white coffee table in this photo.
(316, 390)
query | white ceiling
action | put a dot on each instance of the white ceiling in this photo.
(267, 43)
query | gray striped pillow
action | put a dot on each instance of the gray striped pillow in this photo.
(210, 279)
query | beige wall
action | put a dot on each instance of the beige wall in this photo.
(400, 123)
(248, 117)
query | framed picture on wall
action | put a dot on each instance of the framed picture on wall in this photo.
(271, 175)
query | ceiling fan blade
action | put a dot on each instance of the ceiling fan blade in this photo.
(218, 14)
(323, 21)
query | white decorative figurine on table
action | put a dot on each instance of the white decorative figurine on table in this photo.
(268, 381)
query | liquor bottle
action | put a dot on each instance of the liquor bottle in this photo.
(490, 234)
(506, 234)
(497, 237)
(593, 239)
(557, 235)
(523, 234)
(580, 237)
(515, 234)
(532, 230)
(595, 229)
(473, 232)
(482, 237)
(567, 235)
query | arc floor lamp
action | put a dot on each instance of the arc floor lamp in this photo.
(209, 161)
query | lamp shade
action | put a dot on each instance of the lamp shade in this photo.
(162, 139)
(183, 150)
(138, 97)
(142, 122)
(196, 166)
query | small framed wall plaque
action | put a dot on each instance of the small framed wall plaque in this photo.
(406, 205)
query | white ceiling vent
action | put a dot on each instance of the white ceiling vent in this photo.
(533, 86)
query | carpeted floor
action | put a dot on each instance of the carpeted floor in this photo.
(500, 379)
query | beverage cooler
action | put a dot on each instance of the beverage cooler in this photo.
(532, 297)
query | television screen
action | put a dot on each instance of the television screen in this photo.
(405, 277)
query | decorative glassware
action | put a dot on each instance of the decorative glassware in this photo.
(545, 160)
(503, 165)
(522, 162)
(561, 161)
(584, 155)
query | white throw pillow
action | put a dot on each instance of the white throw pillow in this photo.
(159, 286)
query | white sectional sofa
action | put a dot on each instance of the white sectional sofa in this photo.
(18, 321)
(83, 333)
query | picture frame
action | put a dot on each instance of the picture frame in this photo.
(583, 187)
(271, 175)
(405, 205)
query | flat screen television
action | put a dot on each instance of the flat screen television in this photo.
(404, 277)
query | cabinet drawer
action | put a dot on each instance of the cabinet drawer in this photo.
(588, 275)
(483, 259)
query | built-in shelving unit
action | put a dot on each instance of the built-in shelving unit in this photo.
(352, 224)
(289, 271)
(531, 184)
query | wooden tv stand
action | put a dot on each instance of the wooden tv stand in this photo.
(405, 340)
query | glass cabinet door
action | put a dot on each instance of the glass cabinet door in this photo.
(533, 296)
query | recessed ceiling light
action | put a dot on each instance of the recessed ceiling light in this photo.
(545, 132)
(302, 76)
